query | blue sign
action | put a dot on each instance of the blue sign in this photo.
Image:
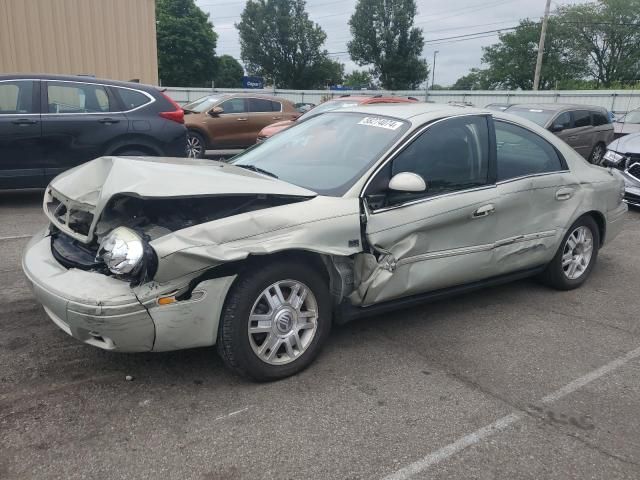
(252, 82)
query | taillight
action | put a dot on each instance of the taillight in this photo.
(176, 115)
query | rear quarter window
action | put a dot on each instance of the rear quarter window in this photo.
(131, 98)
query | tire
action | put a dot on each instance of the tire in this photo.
(196, 145)
(597, 153)
(133, 153)
(560, 277)
(295, 341)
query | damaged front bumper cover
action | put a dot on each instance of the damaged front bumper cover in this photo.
(107, 313)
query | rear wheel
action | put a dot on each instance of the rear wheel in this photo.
(576, 256)
(275, 321)
(597, 154)
(196, 146)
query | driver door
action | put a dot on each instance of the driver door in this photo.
(441, 237)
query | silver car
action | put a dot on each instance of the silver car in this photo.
(348, 214)
(624, 154)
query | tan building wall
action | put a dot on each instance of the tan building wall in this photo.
(113, 39)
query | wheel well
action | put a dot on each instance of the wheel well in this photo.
(204, 136)
(601, 222)
(142, 148)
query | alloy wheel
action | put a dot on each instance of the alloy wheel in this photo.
(577, 253)
(194, 147)
(598, 153)
(283, 322)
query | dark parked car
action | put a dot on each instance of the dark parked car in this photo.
(624, 154)
(587, 129)
(50, 123)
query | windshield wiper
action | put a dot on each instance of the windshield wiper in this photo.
(253, 168)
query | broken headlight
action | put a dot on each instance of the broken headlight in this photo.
(613, 158)
(123, 251)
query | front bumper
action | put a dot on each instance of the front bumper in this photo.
(96, 309)
(107, 313)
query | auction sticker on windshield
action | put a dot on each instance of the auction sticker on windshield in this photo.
(380, 123)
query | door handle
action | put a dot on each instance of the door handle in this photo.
(572, 137)
(242, 119)
(484, 211)
(108, 121)
(277, 118)
(23, 122)
(564, 194)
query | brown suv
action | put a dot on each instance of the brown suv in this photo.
(231, 120)
(587, 129)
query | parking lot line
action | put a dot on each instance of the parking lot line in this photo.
(503, 422)
(16, 237)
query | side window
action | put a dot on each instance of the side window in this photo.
(259, 105)
(16, 97)
(581, 118)
(563, 120)
(276, 106)
(234, 105)
(522, 153)
(132, 99)
(66, 97)
(450, 155)
(599, 118)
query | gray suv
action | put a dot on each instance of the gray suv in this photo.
(585, 128)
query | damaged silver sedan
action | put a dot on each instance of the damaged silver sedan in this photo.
(349, 214)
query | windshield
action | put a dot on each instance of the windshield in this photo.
(537, 115)
(328, 106)
(202, 104)
(631, 117)
(328, 153)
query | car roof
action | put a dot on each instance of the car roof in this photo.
(248, 95)
(556, 107)
(415, 112)
(76, 78)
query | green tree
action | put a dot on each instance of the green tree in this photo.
(384, 37)
(511, 62)
(606, 33)
(474, 80)
(358, 79)
(229, 72)
(278, 41)
(186, 44)
(323, 73)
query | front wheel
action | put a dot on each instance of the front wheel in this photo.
(576, 256)
(274, 321)
(597, 154)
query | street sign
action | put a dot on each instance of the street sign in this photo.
(252, 82)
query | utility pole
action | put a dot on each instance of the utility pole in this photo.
(543, 33)
(433, 72)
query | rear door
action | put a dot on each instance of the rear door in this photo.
(79, 121)
(537, 195)
(263, 112)
(580, 137)
(21, 162)
(442, 237)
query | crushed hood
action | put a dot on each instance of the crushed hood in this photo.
(90, 186)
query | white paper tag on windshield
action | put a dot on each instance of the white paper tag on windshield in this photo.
(380, 123)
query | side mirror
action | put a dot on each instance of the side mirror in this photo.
(407, 182)
(215, 111)
(556, 127)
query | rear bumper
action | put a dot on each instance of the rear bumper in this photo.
(615, 222)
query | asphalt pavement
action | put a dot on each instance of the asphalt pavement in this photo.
(511, 382)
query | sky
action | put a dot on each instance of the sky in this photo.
(439, 20)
